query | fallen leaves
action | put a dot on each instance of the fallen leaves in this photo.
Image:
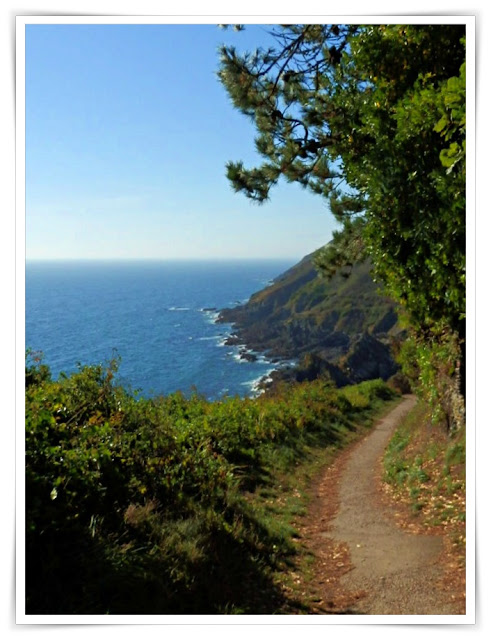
(435, 506)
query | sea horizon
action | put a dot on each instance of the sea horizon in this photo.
(293, 260)
(159, 316)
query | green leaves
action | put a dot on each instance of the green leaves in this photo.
(381, 110)
(145, 496)
(452, 155)
(372, 118)
(451, 125)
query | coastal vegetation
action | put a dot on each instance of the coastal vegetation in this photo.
(426, 470)
(372, 118)
(171, 504)
(425, 475)
(179, 505)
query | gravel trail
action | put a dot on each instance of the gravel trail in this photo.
(365, 563)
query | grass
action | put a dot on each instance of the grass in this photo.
(425, 469)
(425, 475)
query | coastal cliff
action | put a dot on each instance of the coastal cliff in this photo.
(341, 328)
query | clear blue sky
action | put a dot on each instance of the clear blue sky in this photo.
(127, 134)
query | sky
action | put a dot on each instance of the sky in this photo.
(127, 134)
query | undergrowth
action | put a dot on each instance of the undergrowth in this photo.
(425, 467)
(170, 504)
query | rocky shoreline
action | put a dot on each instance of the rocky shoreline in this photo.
(342, 331)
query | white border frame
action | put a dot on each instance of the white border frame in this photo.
(21, 617)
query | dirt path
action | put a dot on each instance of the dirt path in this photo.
(363, 562)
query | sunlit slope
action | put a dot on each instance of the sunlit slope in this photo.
(302, 313)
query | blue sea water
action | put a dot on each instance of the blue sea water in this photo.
(156, 315)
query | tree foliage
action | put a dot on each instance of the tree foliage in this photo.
(371, 118)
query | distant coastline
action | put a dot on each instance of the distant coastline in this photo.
(309, 327)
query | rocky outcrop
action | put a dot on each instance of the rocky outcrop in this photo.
(339, 328)
(369, 358)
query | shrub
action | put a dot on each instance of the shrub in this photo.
(433, 365)
(136, 505)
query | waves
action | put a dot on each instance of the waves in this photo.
(256, 385)
(159, 318)
(242, 355)
(211, 315)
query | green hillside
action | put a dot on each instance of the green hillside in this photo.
(345, 322)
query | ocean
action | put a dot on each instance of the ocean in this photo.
(159, 317)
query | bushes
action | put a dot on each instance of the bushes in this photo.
(434, 365)
(136, 505)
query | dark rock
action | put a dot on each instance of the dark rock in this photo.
(246, 355)
(341, 324)
(369, 358)
(386, 323)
